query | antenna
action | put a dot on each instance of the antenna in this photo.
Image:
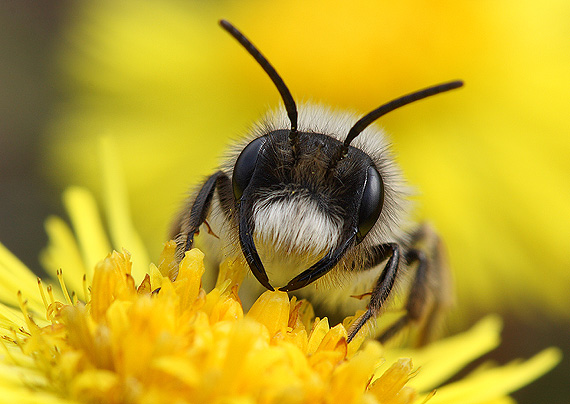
(367, 119)
(271, 72)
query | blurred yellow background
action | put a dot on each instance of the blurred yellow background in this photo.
(490, 161)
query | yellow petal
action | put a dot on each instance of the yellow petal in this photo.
(334, 340)
(167, 261)
(347, 380)
(232, 269)
(442, 359)
(14, 276)
(388, 387)
(178, 367)
(111, 281)
(320, 329)
(497, 382)
(95, 384)
(121, 227)
(87, 224)
(272, 310)
(63, 253)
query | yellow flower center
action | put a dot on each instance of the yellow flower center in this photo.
(170, 341)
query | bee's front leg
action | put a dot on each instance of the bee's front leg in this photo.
(383, 286)
(192, 218)
(419, 300)
(430, 292)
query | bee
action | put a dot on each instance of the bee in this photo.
(315, 204)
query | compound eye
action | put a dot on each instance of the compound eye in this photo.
(245, 165)
(371, 203)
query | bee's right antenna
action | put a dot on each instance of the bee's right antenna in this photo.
(271, 72)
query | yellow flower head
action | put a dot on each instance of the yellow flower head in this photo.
(167, 340)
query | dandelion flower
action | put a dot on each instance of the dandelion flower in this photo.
(102, 336)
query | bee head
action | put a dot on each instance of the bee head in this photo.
(339, 182)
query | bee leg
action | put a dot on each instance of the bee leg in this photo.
(429, 294)
(383, 286)
(417, 303)
(201, 208)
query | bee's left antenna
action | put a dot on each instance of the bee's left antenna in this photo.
(271, 72)
(367, 119)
